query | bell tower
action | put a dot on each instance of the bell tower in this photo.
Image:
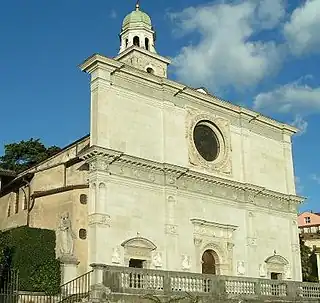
(137, 30)
(137, 44)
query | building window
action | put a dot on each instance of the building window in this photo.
(83, 199)
(136, 41)
(82, 234)
(9, 210)
(16, 205)
(150, 70)
(127, 42)
(25, 203)
(147, 43)
(206, 141)
(307, 220)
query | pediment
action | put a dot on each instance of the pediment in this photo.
(139, 242)
(212, 229)
(201, 222)
(277, 259)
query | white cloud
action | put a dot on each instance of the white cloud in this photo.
(300, 123)
(302, 30)
(315, 178)
(295, 97)
(270, 12)
(227, 53)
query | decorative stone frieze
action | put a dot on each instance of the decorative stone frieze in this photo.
(171, 229)
(99, 219)
(252, 241)
(187, 180)
(212, 229)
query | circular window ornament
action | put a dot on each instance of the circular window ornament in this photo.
(206, 141)
(208, 138)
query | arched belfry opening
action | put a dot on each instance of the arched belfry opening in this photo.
(146, 43)
(209, 262)
(136, 41)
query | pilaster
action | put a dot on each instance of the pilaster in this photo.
(99, 220)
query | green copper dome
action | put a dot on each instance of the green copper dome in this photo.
(137, 16)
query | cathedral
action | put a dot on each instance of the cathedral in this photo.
(171, 177)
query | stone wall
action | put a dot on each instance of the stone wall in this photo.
(55, 188)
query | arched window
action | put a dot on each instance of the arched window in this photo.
(146, 43)
(127, 42)
(136, 41)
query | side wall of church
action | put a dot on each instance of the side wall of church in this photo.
(52, 175)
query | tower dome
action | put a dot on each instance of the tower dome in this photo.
(136, 17)
(137, 31)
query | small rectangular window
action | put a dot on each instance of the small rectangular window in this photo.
(307, 220)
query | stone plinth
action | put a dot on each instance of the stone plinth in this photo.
(69, 266)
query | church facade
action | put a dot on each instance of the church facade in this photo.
(176, 178)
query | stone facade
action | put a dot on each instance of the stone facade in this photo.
(149, 184)
(153, 199)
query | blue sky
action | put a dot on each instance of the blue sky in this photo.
(263, 54)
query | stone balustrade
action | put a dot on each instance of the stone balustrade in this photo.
(124, 280)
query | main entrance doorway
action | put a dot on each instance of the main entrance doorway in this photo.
(136, 263)
(209, 262)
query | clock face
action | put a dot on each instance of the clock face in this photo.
(206, 141)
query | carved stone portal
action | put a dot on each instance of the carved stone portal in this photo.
(138, 248)
(215, 237)
(278, 265)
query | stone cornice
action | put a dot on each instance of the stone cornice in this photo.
(96, 61)
(117, 163)
(143, 51)
(202, 222)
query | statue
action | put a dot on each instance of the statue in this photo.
(157, 260)
(186, 262)
(263, 270)
(288, 272)
(241, 268)
(116, 256)
(65, 235)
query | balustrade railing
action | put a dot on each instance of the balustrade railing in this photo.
(71, 292)
(145, 281)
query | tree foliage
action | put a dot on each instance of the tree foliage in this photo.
(24, 154)
(308, 263)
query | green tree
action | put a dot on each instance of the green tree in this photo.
(24, 154)
(308, 263)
